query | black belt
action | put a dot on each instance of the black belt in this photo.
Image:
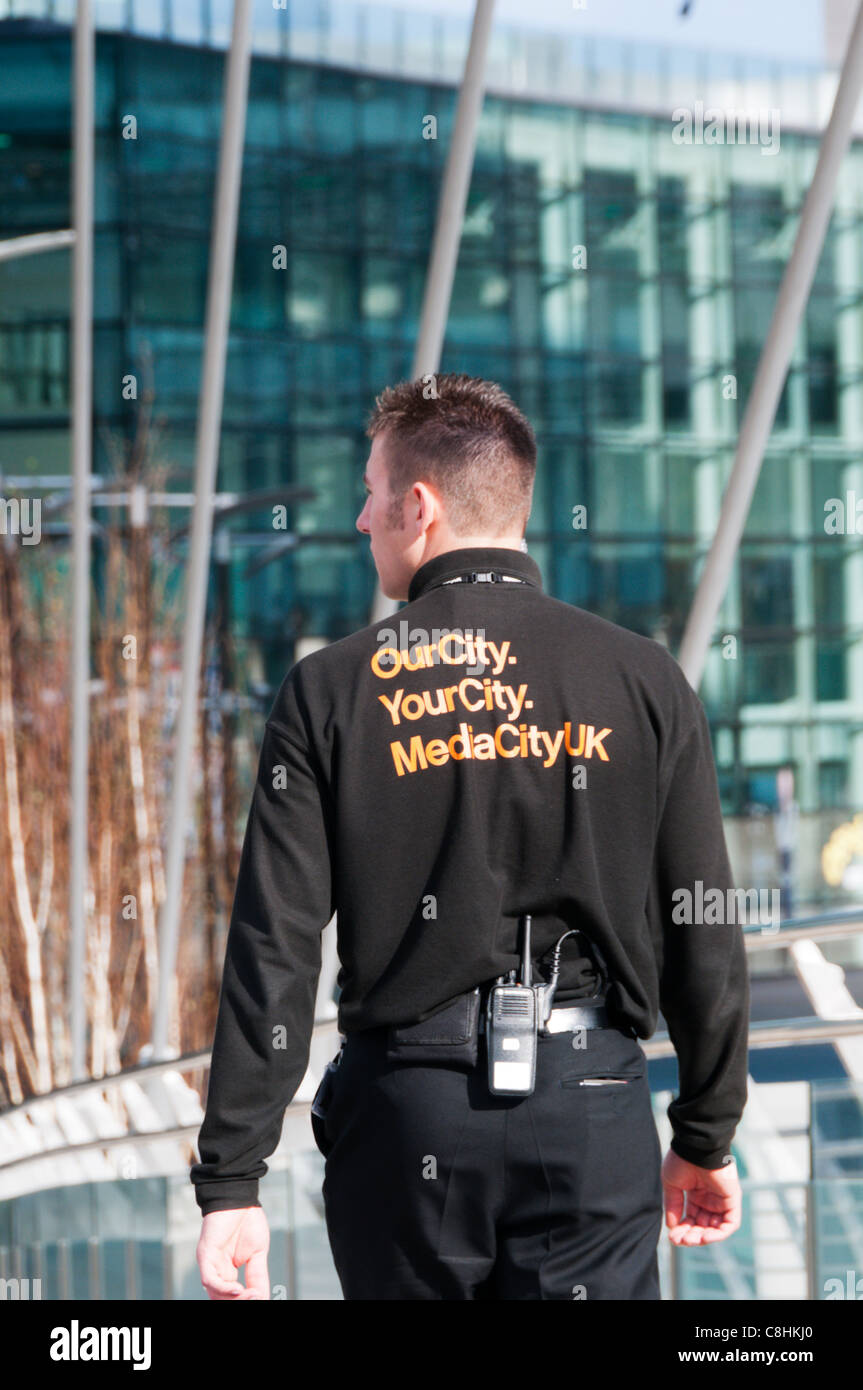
(452, 1034)
(571, 1020)
(450, 1037)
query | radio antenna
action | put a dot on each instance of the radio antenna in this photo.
(525, 959)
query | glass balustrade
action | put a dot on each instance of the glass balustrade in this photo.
(135, 1239)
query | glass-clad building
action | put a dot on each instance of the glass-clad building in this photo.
(615, 276)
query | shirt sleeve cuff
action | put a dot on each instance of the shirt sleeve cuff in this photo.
(703, 1158)
(226, 1196)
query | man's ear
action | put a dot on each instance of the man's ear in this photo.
(428, 506)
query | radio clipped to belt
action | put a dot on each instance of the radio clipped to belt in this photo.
(516, 1013)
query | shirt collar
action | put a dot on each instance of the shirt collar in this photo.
(452, 563)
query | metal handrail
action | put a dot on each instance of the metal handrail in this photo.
(769, 1034)
(826, 926)
(144, 1071)
(192, 1061)
(834, 926)
(791, 1032)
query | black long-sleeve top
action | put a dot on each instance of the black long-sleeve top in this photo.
(486, 752)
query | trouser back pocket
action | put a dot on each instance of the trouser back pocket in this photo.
(597, 1080)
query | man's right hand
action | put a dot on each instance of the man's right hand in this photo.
(230, 1239)
(712, 1196)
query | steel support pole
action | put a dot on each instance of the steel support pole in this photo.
(450, 216)
(82, 443)
(221, 270)
(453, 197)
(773, 363)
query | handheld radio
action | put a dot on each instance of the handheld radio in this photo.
(511, 1029)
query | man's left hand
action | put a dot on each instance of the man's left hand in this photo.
(229, 1240)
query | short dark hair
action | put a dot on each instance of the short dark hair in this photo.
(467, 439)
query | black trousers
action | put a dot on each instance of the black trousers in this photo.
(435, 1189)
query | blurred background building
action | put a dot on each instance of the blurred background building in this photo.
(617, 282)
(623, 365)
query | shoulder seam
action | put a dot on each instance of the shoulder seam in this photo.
(283, 733)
